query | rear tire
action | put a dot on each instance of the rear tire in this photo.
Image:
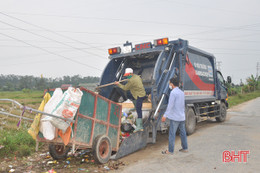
(223, 113)
(102, 149)
(58, 152)
(190, 122)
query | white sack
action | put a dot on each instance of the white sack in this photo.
(67, 108)
(47, 129)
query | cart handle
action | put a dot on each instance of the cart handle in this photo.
(35, 110)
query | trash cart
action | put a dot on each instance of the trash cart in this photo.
(97, 127)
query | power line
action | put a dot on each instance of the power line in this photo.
(34, 62)
(44, 29)
(2, 45)
(217, 9)
(223, 28)
(113, 19)
(237, 54)
(51, 52)
(119, 19)
(257, 69)
(87, 32)
(219, 39)
(33, 55)
(50, 39)
(240, 27)
(215, 48)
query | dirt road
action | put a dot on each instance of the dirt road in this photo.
(241, 131)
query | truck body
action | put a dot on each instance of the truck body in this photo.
(203, 85)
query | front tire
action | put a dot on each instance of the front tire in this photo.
(223, 113)
(190, 122)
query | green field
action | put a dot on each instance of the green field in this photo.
(31, 98)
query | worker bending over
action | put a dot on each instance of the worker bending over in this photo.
(136, 87)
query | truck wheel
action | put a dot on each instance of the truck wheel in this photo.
(190, 122)
(58, 152)
(223, 113)
(102, 149)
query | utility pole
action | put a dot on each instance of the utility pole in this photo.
(257, 69)
(218, 65)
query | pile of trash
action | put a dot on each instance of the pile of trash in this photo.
(129, 116)
(127, 124)
(81, 161)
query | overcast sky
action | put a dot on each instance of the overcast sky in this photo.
(70, 37)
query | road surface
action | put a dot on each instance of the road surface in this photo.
(241, 131)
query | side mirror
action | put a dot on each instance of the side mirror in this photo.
(229, 79)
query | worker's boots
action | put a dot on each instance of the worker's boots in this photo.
(139, 125)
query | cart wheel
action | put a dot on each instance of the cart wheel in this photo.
(102, 149)
(58, 152)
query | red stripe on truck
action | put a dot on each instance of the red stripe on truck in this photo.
(196, 79)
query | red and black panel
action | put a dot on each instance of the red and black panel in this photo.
(198, 77)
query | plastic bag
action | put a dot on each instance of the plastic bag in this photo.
(67, 108)
(47, 129)
(34, 129)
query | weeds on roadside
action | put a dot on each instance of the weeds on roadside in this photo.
(240, 98)
(16, 143)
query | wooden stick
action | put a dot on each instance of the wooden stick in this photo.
(108, 84)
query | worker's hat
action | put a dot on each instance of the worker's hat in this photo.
(128, 71)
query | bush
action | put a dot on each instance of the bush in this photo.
(240, 96)
(233, 91)
(26, 90)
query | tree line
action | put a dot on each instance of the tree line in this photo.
(252, 84)
(18, 83)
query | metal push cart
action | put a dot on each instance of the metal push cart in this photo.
(96, 126)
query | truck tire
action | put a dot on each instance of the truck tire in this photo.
(223, 113)
(58, 152)
(102, 149)
(190, 122)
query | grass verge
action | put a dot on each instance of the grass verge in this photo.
(16, 143)
(240, 98)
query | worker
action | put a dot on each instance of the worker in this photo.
(175, 112)
(136, 87)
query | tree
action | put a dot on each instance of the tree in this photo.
(252, 82)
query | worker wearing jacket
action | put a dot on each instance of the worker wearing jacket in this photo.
(135, 85)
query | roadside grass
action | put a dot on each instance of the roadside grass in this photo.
(240, 98)
(16, 143)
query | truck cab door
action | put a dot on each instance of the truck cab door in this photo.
(222, 89)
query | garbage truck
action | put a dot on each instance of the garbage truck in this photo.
(204, 86)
